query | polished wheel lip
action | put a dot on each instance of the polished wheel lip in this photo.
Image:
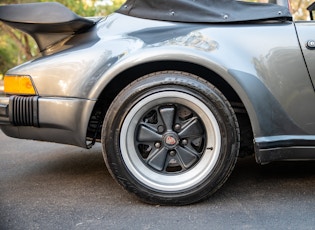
(170, 182)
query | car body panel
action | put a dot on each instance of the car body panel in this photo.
(261, 61)
(66, 127)
(306, 34)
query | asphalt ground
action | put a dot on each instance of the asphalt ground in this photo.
(51, 186)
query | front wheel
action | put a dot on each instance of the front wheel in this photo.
(170, 138)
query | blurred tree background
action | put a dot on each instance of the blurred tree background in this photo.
(17, 47)
(299, 9)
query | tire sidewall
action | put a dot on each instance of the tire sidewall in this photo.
(160, 82)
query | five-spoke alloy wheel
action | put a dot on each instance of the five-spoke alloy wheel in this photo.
(170, 138)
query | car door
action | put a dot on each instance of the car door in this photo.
(306, 34)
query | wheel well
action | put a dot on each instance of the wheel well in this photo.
(123, 79)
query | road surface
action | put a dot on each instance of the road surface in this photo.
(51, 186)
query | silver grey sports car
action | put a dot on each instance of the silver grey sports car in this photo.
(175, 91)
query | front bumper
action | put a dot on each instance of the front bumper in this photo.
(60, 120)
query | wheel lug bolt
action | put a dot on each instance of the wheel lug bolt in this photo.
(157, 145)
(184, 142)
(177, 127)
(172, 153)
(160, 128)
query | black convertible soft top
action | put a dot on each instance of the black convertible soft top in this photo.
(204, 11)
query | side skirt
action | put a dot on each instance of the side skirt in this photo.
(286, 147)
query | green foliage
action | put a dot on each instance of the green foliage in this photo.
(6, 60)
(6, 55)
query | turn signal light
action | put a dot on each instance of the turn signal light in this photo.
(19, 84)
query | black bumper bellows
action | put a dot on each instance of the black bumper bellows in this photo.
(23, 111)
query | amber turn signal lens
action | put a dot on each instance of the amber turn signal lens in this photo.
(18, 85)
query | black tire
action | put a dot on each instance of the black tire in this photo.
(171, 138)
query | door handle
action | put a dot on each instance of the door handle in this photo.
(310, 44)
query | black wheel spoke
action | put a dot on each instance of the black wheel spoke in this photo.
(167, 115)
(145, 134)
(191, 129)
(157, 159)
(156, 129)
(187, 156)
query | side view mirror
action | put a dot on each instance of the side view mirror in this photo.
(311, 8)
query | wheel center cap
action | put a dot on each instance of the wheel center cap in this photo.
(170, 140)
